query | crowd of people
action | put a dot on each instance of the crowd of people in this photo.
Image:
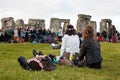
(76, 49)
(42, 35)
(73, 52)
(110, 35)
(30, 34)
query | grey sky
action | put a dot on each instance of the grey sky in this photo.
(67, 9)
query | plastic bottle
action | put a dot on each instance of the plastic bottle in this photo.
(71, 57)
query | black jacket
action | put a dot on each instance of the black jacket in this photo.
(90, 51)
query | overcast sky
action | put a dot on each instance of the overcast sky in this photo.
(63, 9)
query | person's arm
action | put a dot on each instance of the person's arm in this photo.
(63, 46)
(82, 50)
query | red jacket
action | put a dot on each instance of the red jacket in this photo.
(99, 38)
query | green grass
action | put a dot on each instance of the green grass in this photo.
(11, 70)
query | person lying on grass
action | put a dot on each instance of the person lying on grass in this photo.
(38, 62)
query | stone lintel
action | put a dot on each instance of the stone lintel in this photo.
(84, 16)
(106, 20)
(7, 19)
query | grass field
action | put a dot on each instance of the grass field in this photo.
(11, 70)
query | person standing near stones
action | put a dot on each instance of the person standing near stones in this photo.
(60, 34)
(114, 36)
(104, 34)
(109, 33)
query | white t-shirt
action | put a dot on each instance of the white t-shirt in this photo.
(70, 44)
(15, 33)
(60, 32)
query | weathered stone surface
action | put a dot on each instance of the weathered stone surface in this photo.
(36, 23)
(8, 22)
(84, 16)
(55, 24)
(104, 24)
(93, 23)
(83, 21)
(106, 20)
(20, 23)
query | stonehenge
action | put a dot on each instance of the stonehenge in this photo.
(104, 24)
(84, 20)
(36, 23)
(56, 23)
(20, 23)
(7, 22)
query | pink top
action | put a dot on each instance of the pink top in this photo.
(36, 60)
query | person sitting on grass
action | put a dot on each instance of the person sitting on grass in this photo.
(90, 55)
(38, 62)
(69, 46)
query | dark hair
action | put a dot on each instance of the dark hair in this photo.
(34, 65)
(88, 32)
(70, 30)
(98, 34)
(113, 30)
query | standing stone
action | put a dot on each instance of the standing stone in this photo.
(94, 25)
(82, 21)
(20, 23)
(66, 23)
(36, 23)
(104, 24)
(55, 24)
(8, 22)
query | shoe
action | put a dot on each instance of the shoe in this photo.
(23, 63)
(40, 53)
(35, 52)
